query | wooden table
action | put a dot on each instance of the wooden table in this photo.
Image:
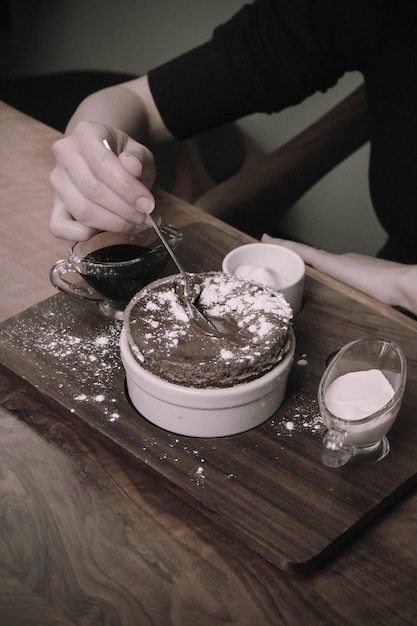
(91, 535)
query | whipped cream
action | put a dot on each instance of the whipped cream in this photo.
(262, 275)
(356, 395)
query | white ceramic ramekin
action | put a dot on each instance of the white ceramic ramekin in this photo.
(205, 412)
(286, 263)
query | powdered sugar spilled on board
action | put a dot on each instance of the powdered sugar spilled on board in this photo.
(93, 353)
(57, 349)
(306, 418)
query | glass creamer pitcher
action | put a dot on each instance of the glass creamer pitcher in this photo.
(357, 435)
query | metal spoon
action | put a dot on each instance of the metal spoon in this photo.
(198, 316)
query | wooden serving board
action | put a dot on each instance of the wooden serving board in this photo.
(267, 487)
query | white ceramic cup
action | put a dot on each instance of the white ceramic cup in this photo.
(210, 412)
(288, 266)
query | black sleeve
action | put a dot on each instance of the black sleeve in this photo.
(270, 55)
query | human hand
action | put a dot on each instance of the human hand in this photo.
(390, 282)
(310, 255)
(98, 189)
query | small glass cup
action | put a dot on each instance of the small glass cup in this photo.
(362, 440)
(114, 267)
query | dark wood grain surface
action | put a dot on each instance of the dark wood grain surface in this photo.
(90, 536)
(87, 538)
(267, 486)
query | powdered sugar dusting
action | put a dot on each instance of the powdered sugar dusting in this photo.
(82, 363)
(253, 308)
(166, 342)
(305, 416)
(57, 352)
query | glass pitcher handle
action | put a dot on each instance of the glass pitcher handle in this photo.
(81, 289)
(336, 454)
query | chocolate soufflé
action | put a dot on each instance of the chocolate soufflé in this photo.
(164, 340)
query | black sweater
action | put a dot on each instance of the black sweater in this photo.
(275, 53)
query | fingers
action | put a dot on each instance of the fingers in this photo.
(268, 239)
(94, 189)
(89, 200)
(309, 254)
(63, 225)
(66, 225)
(300, 248)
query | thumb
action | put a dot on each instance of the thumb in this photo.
(131, 164)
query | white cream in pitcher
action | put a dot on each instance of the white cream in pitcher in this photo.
(356, 395)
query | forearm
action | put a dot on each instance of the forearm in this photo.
(128, 107)
(393, 283)
(272, 185)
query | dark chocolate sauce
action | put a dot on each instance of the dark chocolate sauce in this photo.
(119, 271)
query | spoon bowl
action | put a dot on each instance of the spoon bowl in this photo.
(195, 314)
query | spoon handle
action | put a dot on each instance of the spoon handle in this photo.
(173, 256)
